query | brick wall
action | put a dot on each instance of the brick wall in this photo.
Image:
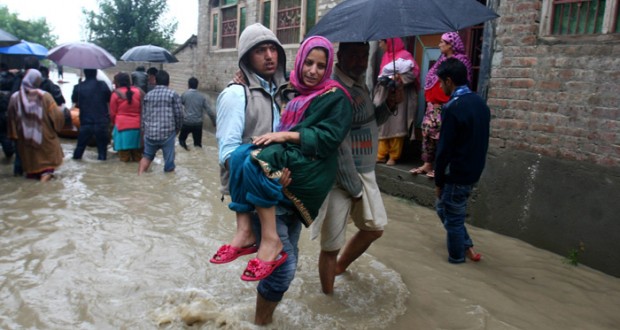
(217, 66)
(558, 97)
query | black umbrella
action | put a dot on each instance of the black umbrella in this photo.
(7, 39)
(149, 53)
(365, 20)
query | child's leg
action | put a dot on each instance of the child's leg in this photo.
(244, 236)
(270, 244)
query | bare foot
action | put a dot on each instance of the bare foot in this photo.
(243, 238)
(426, 168)
(269, 251)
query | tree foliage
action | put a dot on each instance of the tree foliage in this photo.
(36, 30)
(122, 24)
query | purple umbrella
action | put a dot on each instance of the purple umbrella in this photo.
(7, 39)
(83, 55)
(25, 48)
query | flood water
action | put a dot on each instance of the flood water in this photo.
(100, 248)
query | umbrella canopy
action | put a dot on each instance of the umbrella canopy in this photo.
(149, 53)
(83, 55)
(7, 39)
(25, 48)
(365, 20)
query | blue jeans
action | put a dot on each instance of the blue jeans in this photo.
(452, 209)
(166, 146)
(273, 287)
(100, 131)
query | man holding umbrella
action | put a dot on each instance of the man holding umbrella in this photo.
(356, 190)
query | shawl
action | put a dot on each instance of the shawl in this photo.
(294, 111)
(458, 47)
(396, 50)
(30, 108)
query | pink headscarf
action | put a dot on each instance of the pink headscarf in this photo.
(458, 47)
(295, 109)
(395, 52)
(30, 108)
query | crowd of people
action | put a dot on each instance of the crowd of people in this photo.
(138, 114)
(293, 151)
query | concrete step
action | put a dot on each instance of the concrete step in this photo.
(396, 180)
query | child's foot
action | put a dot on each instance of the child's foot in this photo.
(269, 251)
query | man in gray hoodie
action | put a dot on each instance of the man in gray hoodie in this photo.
(245, 111)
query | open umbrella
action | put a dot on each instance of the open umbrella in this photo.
(365, 20)
(149, 53)
(83, 55)
(25, 48)
(7, 39)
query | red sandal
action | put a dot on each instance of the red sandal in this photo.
(258, 269)
(472, 255)
(227, 253)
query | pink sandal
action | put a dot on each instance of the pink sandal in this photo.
(258, 269)
(227, 253)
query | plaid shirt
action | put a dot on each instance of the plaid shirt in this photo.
(161, 114)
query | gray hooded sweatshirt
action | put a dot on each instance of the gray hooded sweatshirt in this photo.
(258, 102)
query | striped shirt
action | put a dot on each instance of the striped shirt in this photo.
(358, 154)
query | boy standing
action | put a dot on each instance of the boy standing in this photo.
(461, 155)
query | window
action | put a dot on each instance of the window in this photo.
(581, 17)
(229, 27)
(214, 29)
(292, 18)
(227, 20)
(288, 21)
(267, 13)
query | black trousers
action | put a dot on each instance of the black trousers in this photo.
(196, 131)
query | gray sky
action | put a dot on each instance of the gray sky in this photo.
(66, 19)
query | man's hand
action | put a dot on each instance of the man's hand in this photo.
(239, 78)
(395, 95)
(285, 179)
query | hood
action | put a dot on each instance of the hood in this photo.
(253, 35)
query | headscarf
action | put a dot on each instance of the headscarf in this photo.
(295, 109)
(458, 47)
(30, 107)
(396, 50)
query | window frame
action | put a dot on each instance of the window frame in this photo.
(218, 11)
(273, 14)
(608, 27)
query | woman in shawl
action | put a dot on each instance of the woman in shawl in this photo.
(450, 45)
(312, 126)
(34, 120)
(125, 109)
(397, 65)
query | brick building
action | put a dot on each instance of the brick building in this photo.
(550, 71)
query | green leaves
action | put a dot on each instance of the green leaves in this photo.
(36, 30)
(122, 24)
